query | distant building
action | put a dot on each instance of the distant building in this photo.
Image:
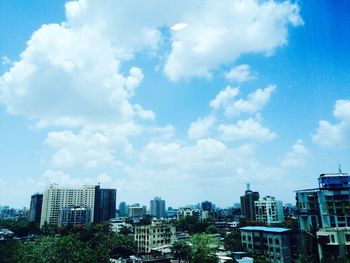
(269, 211)
(157, 206)
(136, 211)
(155, 235)
(105, 204)
(327, 209)
(123, 209)
(274, 243)
(118, 224)
(207, 206)
(77, 215)
(247, 203)
(35, 208)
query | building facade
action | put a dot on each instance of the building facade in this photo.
(269, 211)
(36, 202)
(105, 204)
(56, 198)
(155, 235)
(248, 203)
(157, 206)
(326, 209)
(271, 242)
(76, 215)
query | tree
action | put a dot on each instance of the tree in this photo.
(181, 250)
(122, 246)
(232, 241)
(203, 249)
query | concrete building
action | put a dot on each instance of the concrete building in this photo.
(136, 211)
(101, 202)
(117, 224)
(36, 202)
(77, 215)
(247, 203)
(327, 209)
(155, 235)
(269, 211)
(157, 206)
(56, 198)
(274, 243)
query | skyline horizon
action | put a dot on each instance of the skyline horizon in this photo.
(188, 104)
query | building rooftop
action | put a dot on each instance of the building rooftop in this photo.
(265, 229)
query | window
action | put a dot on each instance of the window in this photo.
(347, 237)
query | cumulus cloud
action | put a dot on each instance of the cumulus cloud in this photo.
(335, 135)
(219, 32)
(296, 157)
(200, 128)
(226, 99)
(246, 129)
(254, 102)
(239, 74)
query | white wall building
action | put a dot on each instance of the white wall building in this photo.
(56, 198)
(155, 235)
(268, 210)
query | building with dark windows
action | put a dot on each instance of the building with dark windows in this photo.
(77, 215)
(36, 203)
(248, 203)
(273, 243)
(157, 206)
(207, 206)
(326, 209)
(105, 204)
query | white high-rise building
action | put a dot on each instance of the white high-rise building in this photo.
(268, 210)
(55, 199)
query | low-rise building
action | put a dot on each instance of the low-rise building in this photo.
(154, 235)
(271, 242)
(117, 224)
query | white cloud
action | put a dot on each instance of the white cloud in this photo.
(254, 103)
(200, 128)
(239, 74)
(221, 31)
(296, 157)
(224, 97)
(335, 135)
(249, 129)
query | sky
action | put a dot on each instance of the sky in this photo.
(186, 100)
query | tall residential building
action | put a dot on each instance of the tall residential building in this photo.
(123, 209)
(155, 235)
(56, 198)
(268, 210)
(247, 203)
(105, 204)
(327, 209)
(157, 206)
(36, 202)
(101, 202)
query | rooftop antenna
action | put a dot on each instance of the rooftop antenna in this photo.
(339, 169)
(248, 186)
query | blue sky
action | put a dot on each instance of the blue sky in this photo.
(106, 91)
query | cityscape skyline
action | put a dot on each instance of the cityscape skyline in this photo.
(189, 105)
